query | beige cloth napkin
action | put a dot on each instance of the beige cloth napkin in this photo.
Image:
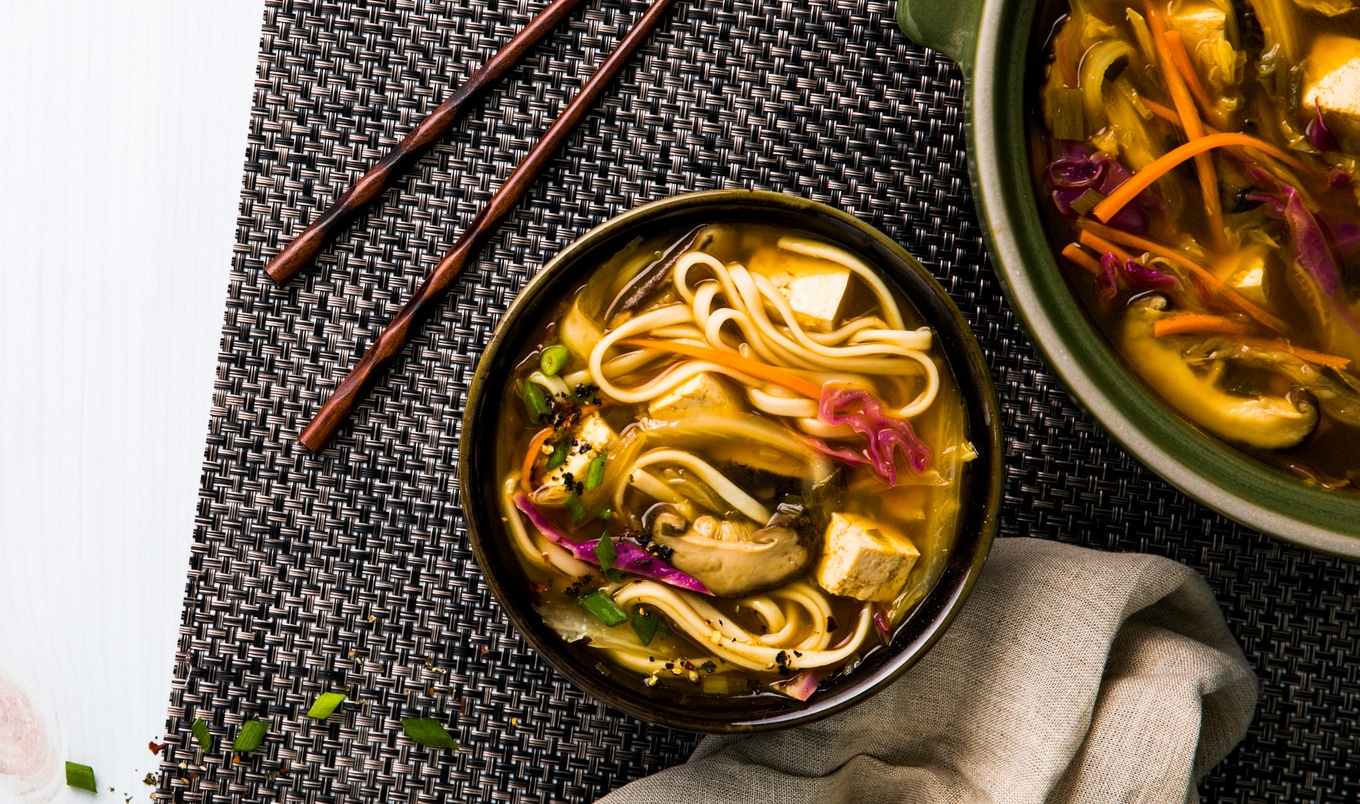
(1071, 675)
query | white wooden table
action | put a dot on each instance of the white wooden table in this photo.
(122, 129)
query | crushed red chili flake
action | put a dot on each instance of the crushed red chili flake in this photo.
(539, 587)
(155, 747)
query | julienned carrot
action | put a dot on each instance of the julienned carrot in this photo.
(1078, 257)
(1320, 358)
(1181, 59)
(745, 365)
(1190, 120)
(1163, 164)
(1197, 322)
(1097, 243)
(1200, 273)
(526, 473)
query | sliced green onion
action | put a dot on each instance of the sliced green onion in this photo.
(558, 456)
(427, 731)
(553, 359)
(201, 733)
(1087, 202)
(595, 472)
(603, 607)
(575, 508)
(607, 513)
(1067, 114)
(250, 736)
(617, 576)
(645, 625)
(80, 776)
(606, 552)
(663, 628)
(535, 401)
(325, 704)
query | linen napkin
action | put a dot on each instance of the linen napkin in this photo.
(1070, 675)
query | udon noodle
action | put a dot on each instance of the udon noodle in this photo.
(737, 462)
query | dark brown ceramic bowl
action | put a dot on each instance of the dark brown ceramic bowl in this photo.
(487, 398)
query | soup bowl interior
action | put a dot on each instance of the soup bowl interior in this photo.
(489, 396)
(1003, 70)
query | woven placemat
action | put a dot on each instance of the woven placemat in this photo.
(351, 571)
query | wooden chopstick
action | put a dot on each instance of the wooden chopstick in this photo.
(396, 334)
(300, 253)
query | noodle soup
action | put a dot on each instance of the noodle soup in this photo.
(1198, 163)
(733, 462)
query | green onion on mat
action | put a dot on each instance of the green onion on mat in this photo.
(427, 731)
(80, 776)
(325, 704)
(201, 733)
(250, 736)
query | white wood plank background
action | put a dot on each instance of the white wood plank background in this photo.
(122, 130)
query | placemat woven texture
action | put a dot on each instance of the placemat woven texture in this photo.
(351, 571)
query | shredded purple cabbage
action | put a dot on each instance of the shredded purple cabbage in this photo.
(1143, 277)
(881, 620)
(1344, 229)
(846, 456)
(886, 435)
(1336, 177)
(802, 685)
(1318, 133)
(1108, 278)
(1311, 249)
(1076, 172)
(631, 558)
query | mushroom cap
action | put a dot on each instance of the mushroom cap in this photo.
(733, 558)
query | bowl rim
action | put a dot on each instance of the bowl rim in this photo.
(979, 513)
(995, 118)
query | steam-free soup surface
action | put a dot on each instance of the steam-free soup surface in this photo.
(732, 461)
(1198, 159)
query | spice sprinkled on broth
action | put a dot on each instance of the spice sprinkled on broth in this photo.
(732, 461)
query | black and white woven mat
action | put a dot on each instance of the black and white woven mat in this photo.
(350, 570)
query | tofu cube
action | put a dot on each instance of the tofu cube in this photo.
(1331, 77)
(592, 437)
(816, 289)
(705, 390)
(864, 560)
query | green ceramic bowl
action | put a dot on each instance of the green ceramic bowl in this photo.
(996, 42)
(488, 397)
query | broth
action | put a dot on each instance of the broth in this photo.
(682, 475)
(1226, 282)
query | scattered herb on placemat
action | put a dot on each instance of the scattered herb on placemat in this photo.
(427, 731)
(80, 776)
(201, 733)
(325, 704)
(250, 736)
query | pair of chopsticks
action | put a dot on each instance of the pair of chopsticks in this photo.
(398, 332)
